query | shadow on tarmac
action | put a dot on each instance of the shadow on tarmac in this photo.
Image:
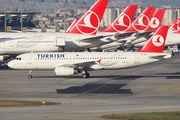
(96, 89)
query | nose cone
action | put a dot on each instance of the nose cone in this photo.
(10, 64)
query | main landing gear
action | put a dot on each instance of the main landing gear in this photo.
(30, 74)
(85, 74)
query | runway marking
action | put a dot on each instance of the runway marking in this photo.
(97, 87)
(5, 90)
(167, 89)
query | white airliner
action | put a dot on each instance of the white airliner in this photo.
(82, 36)
(70, 63)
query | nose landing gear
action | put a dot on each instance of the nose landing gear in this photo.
(30, 74)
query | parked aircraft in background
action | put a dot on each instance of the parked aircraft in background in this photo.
(83, 36)
(122, 22)
(154, 24)
(172, 39)
(70, 63)
(175, 25)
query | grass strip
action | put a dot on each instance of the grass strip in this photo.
(11, 103)
(146, 116)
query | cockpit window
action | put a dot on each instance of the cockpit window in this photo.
(17, 58)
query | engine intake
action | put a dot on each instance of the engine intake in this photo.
(65, 71)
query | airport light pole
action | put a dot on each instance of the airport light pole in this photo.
(74, 2)
(55, 12)
(84, 3)
(81, 7)
(21, 14)
(5, 18)
(65, 5)
(49, 17)
(41, 12)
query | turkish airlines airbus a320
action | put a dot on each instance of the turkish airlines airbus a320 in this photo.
(70, 63)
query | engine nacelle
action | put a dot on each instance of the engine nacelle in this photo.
(1, 58)
(4, 57)
(65, 71)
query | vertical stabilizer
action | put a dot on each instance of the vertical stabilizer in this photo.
(156, 20)
(156, 42)
(142, 22)
(175, 25)
(124, 20)
(90, 22)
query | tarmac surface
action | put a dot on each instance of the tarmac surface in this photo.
(152, 87)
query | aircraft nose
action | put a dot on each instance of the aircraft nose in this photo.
(10, 64)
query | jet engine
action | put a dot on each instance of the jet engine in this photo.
(4, 57)
(65, 71)
(1, 58)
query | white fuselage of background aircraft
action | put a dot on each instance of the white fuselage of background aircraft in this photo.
(172, 39)
(18, 43)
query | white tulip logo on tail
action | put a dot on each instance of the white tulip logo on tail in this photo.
(142, 23)
(89, 24)
(122, 23)
(158, 40)
(154, 23)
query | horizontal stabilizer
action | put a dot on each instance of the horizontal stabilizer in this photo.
(159, 57)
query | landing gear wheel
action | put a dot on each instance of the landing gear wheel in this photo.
(86, 75)
(29, 76)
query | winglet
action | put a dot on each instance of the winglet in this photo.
(156, 42)
(142, 22)
(90, 22)
(124, 20)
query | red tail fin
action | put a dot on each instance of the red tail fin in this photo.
(175, 25)
(124, 20)
(156, 20)
(90, 22)
(142, 22)
(178, 31)
(157, 41)
(171, 28)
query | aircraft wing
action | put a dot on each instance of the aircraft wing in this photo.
(123, 35)
(8, 38)
(81, 65)
(122, 41)
(143, 34)
(92, 38)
